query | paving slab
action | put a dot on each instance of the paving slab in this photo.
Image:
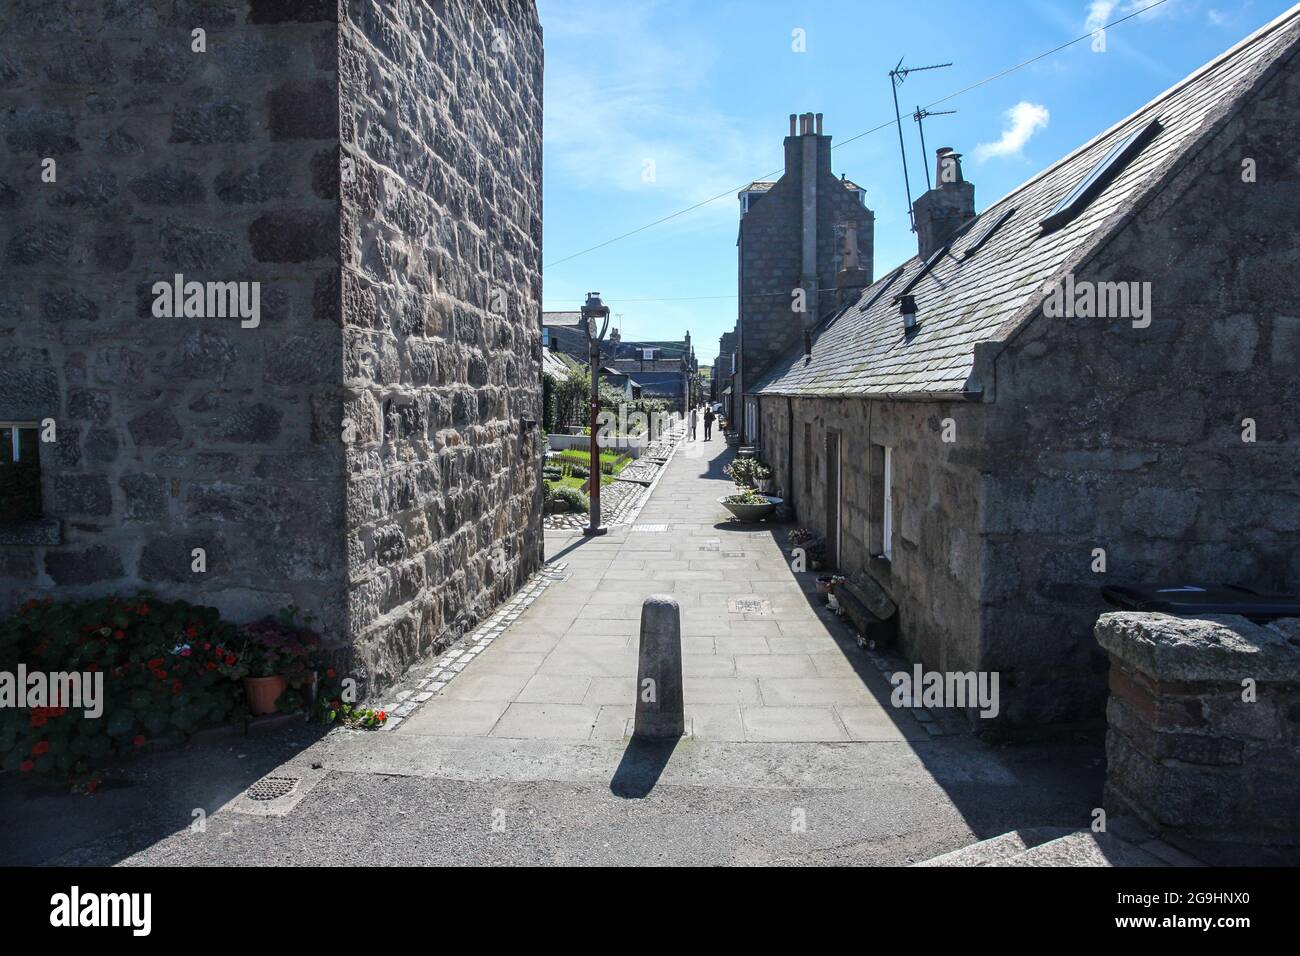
(762, 659)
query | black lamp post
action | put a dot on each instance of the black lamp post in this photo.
(592, 310)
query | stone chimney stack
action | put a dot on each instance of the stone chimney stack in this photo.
(945, 208)
(852, 277)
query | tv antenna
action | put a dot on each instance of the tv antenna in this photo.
(896, 77)
(920, 114)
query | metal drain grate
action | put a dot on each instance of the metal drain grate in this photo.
(749, 606)
(733, 554)
(649, 527)
(272, 788)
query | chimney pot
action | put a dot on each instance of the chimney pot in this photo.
(947, 166)
(819, 124)
(792, 119)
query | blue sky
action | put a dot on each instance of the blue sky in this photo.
(652, 107)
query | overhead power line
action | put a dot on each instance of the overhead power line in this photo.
(855, 137)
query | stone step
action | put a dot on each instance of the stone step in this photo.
(989, 852)
(1083, 848)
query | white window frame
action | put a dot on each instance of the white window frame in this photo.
(14, 453)
(887, 507)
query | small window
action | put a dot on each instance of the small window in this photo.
(20, 473)
(1100, 176)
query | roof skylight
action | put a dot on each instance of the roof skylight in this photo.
(1100, 176)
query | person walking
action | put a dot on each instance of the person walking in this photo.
(708, 424)
(693, 413)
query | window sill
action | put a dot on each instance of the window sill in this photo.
(38, 531)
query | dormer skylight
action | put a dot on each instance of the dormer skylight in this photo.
(1100, 176)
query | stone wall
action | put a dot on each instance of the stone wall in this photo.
(934, 576)
(1131, 439)
(364, 452)
(173, 433)
(1203, 732)
(441, 285)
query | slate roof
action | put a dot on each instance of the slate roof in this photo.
(861, 349)
(557, 364)
(561, 318)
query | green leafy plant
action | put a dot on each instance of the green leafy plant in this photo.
(561, 498)
(747, 471)
(280, 646)
(364, 718)
(747, 497)
(167, 671)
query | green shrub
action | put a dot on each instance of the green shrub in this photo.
(562, 498)
(747, 471)
(168, 670)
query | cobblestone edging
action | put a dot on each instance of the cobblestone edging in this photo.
(425, 680)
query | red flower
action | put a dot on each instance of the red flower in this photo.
(176, 687)
(139, 740)
(230, 659)
(93, 785)
(143, 610)
(381, 715)
(329, 672)
(156, 663)
(26, 765)
(119, 634)
(191, 631)
(38, 720)
(211, 666)
(42, 746)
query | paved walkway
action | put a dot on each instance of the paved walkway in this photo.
(762, 659)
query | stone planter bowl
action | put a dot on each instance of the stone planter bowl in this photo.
(750, 512)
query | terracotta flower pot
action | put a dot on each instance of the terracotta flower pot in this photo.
(262, 693)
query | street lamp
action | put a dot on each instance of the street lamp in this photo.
(592, 310)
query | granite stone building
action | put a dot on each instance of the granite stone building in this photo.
(790, 248)
(1092, 381)
(333, 401)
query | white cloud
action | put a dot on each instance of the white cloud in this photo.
(1023, 121)
(1101, 12)
(635, 118)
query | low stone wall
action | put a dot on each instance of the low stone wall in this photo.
(1203, 745)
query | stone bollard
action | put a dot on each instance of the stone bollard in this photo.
(659, 702)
